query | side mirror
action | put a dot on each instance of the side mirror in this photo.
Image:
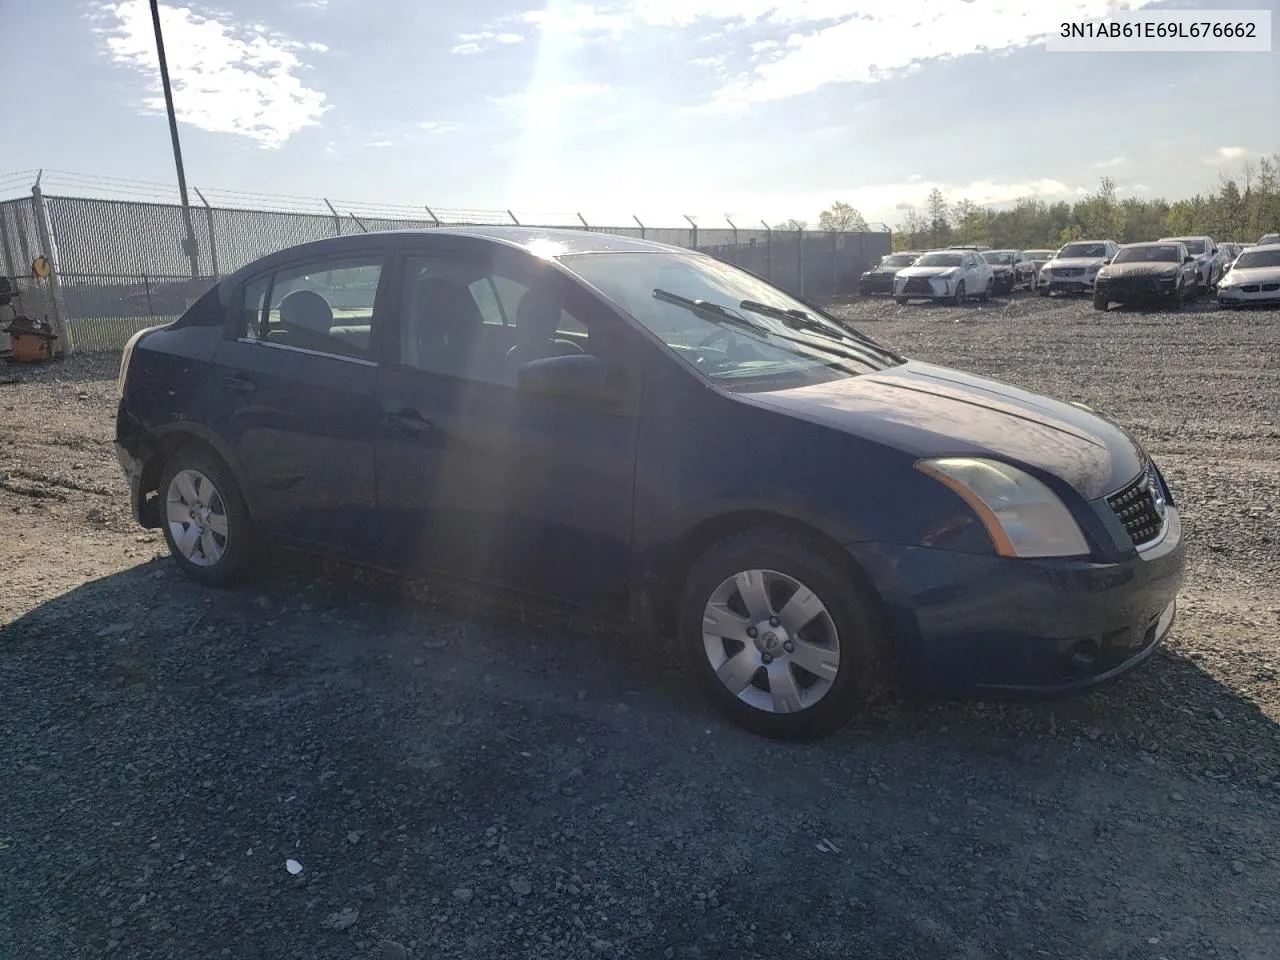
(1188, 259)
(579, 376)
(1106, 261)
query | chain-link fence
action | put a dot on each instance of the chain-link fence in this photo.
(121, 264)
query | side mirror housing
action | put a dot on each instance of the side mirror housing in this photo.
(1188, 259)
(579, 376)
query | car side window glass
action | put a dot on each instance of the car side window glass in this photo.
(249, 322)
(461, 319)
(326, 307)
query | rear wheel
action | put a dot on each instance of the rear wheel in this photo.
(783, 636)
(985, 296)
(206, 522)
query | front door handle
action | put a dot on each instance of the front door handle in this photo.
(238, 383)
(408, 423)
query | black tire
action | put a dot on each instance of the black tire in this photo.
(240, 545)
(1179, 297)
(861, 632)
(960, 296)
(900, 301)
(985, 296)
(1100, 302)
(1043, 291)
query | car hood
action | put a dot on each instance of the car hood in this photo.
(931, 411)
(925, 271)
(1149, 269)
(1076, 262)
(1254, 274)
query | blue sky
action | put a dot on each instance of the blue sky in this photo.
(755, 108)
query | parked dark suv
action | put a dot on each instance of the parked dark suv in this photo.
(641, 428)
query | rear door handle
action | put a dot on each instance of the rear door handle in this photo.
(238, 383)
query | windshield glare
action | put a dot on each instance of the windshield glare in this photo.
(1162, 253)
(1083, 250)
(898, 260)
(939, 260)
(1002, 257)
(1258, 258)
(759, 351)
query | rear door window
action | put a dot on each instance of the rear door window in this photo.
(325, 307)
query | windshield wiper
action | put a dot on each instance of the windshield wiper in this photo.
(717, 313)
(808, 321)
(713, 311)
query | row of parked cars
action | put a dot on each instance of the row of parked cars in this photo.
(1171, 269)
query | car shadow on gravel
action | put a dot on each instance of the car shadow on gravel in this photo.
(465, 775)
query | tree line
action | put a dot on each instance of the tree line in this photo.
(1241, 208)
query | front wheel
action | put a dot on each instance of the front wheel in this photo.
(1100, 302)
(783, 636)
(1179, 297)
(900, 301)
(960, 294)
(1043, 291)
(206, 522)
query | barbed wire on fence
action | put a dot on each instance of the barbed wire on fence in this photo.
(120, 263)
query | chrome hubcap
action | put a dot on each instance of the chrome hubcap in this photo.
(771, 641)
(197, 518)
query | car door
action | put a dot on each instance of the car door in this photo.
(480, 479)
(293, 396)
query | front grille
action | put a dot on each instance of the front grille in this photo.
(1250, 288)
(1069, 272)
(1136, 508)
(1268, 287)
(918, 285)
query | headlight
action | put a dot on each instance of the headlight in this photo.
(1023, 517)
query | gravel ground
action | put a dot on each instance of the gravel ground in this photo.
(462, 777)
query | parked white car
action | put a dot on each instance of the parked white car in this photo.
(1254, 278)
(1208, 262)
(1074, 268)
(952, 275)
(1268, 239)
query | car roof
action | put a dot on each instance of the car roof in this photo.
(1262, 246)
(1149, 243)
(1179, 239)
(539, 241)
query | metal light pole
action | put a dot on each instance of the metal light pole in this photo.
(189, 246)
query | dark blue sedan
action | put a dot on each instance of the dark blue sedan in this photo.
(645, 429)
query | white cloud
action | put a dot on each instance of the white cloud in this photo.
(550, 95)
(243, 82)
(439, 126)
(827, 41)
(381, 143)
(1231, 153)
(485, 40)
(1113, 162)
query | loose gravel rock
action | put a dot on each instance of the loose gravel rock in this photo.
(165, 748)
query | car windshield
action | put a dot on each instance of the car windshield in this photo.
(1082, 250)
(994, 256)
(726, 323)
(1194, 247)
(1038, 254)
(1148, 253)
(898, 260)
(1258, 258)
(940, 260)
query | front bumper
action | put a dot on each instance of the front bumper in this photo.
(876, 283)
(1138, 290)
(924, 288)
(1249, 294)
(1062, 284)
(966, 622)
